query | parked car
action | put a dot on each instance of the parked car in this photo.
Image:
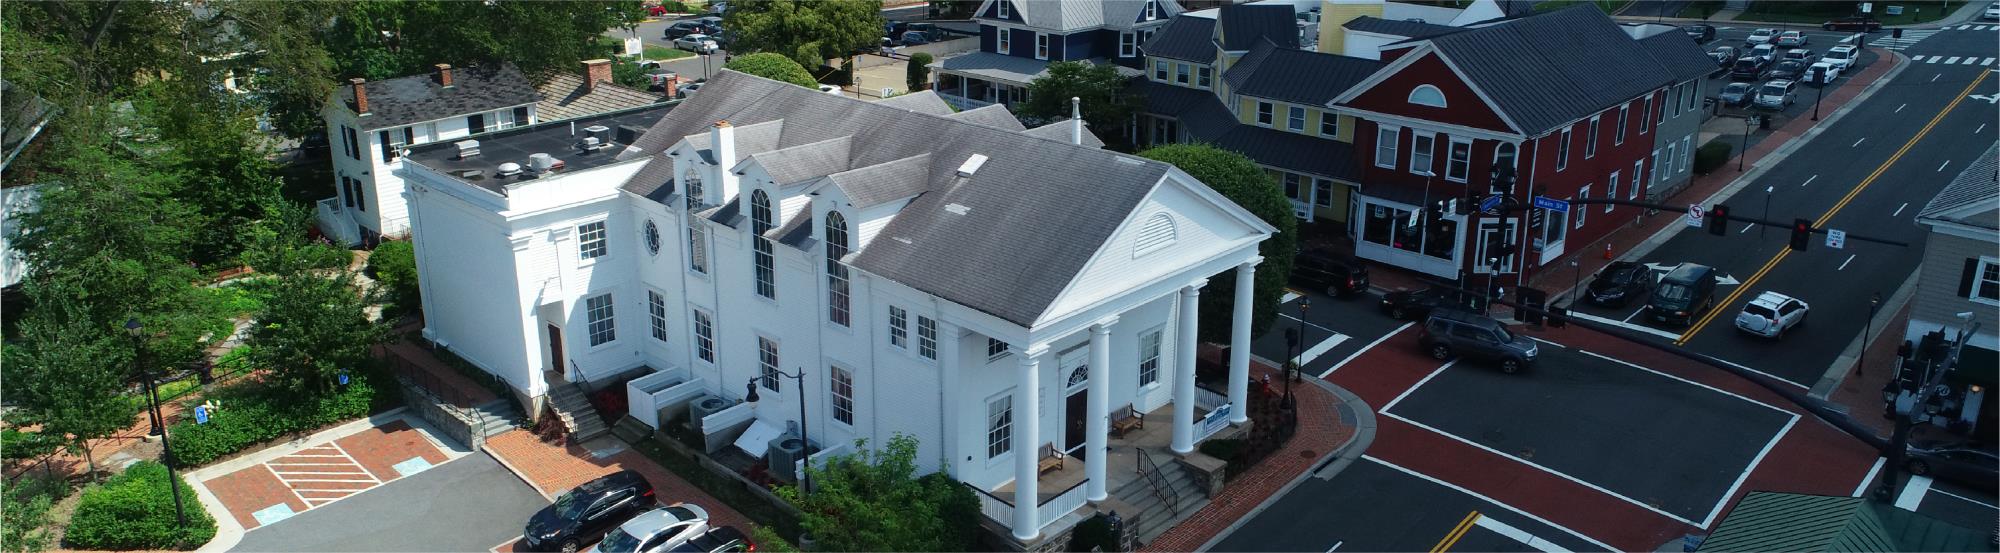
(1455, 332)
(684, 27)
(655, 10)
(1682, 294)
(1415, 304)
(1961, 463)
(1829, 69)
(1776, 94)
(1736, 94)
(1842, 56)
(1853, 23)
(1337, 275)
(1799, 54)
(697, 43)
(584, 513)
(720, 539)
(1787, 69)
(656, 531)
(1791, 38)
(913, 38)
(1760, 36)
(1617, 283)
(1766, 51)
(1771, 314)
(1749, 68)
(1992, 11)
(1700, 33)
(687, 89)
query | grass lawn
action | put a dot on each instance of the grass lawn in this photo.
(661, 53)
(1609, 6)
(1814, 13)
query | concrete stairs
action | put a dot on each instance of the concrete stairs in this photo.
(497, 416)
(577, 415)
(1155, 516)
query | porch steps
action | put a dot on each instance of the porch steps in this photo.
(1155, 517)
(577, 415)
(498, 416)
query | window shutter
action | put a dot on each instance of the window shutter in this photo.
(1967, 278)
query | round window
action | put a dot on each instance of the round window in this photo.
(652, 237)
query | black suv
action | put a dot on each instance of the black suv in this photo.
(1790, 70)
(1750, 68)
(1338, 275)
(1617, 283)
(1415, 304)
(1452, 332)
(1700, 33)
(583, 514)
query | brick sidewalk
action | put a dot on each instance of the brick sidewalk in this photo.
(1861, 393)
(323, 473)
(553, 469)
(1319, 432)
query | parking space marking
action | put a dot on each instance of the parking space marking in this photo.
(1624, 325)
(1899, 210)
(1899, 109)
(1913, 493)
(1843, 264)
(1483, 497)
(1808, 181)
(1336, 545)
(1941, 166)
(1965, 499)
(1745, 476)
(1869, 478)
(1419, 384)
(1364, 349)
(1857, 143)
(1519, 535)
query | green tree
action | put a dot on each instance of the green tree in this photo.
(277, 244)
(807, 31)
(919, 71)
(135, 510)
(394, 264)
(313, 326)
(67, 373)
(1243, 182)
(219, 166)
(873, 501)
(773, 66)
(1107, 104)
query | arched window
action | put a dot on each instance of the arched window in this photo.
(1427, 95)
(761, 263)
(1156, 233)
(1503, 154)
(836, 272)
(693, 181)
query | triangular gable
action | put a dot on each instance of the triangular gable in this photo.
(1387, 92)
(991, 10)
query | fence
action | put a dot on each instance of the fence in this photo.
(1048, 511)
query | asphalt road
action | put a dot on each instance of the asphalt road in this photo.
(478, 501)
(1333, 329)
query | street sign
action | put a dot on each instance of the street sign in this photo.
(1694, 215)
(201, 414)
(1551, 204)
(1489, 203)
(343, 377)
(1836, 238)
(634, 47)
(1865, 6)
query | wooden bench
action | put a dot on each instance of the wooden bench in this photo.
(1051, 459)
(1125, 419)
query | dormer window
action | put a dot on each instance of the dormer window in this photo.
(1152, 11)
(1003, 10)
(762, 264)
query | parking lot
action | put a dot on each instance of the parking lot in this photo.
(477, 500)
(320, 474)
(1818, 41)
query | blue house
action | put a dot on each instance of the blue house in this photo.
(1018, 39)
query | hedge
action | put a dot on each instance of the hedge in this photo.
(252, 413)
(394, 265)
(135, 510)
(1711, 156)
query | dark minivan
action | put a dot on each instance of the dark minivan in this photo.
(1337, 275)
(1749, 68)
(1683, 293)
(583, 514)
(1455, 332)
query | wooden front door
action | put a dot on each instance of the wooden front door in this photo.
(1074, 423)
(556, 360)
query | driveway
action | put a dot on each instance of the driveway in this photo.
(469, 504)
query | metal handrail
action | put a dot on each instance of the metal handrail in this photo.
(1151, 472)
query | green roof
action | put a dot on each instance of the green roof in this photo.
(1769, 521)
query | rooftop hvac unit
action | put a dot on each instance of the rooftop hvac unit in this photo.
(597, 131)
(509, 169)
(541, 163)
(593, 143)
(785, 453)
(971, 165)
(629, 134)
(704, 406)
(467, 148)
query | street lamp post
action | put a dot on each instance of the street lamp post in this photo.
(137, 332)
(1867, 327)
(1576, 280)
(1305, 305)
(805, 480)
(1819, 78)
(1767, 209)
(1291, 348)
(1746, 143)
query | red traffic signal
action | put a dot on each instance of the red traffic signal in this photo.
(1718, 220)
(1801, 234)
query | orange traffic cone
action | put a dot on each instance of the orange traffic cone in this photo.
(1607, 251)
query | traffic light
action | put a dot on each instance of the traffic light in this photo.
(1718, 220)
(1801, 234)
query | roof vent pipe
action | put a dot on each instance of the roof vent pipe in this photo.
(1076, 120)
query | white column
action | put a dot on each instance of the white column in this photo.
(1027, 423)
(1184, 369)
(1239, 342)
(1097, 421)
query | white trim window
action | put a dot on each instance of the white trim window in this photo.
(836, 271)
(1385, 146)
(899, 327)
(1329, 124)
(1687, 152)
(1590, 138)
(927, 337)
(1660, 177)
(1005, 38)
(656, 309)
(1003, 9)
(842, 392)
(1982, 280)
(999, 425)
(1295, 118)
(704, 336)
(1646, 119)
(1181, 72)
(697, 249)
(1294, 185)
(1618, 136)
(591, 240)
(1149, 358)
(1611, 191)
(767, 364)
(1160, 70)
(1663, 107)
(1562, 149)
(762, 262)
(1583, 212)
(1458, 160)
(1128, 44)
(1322, 192)
(995, 349)
(1638, 179)
(1041, 46)
(603, 325)
(1427, 95)
(1204, 76)
(1152, 10)
(1265, 113)
(1679, 90)
(1423, 148)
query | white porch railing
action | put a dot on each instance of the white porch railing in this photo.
(1049, 511)
(334, 222)
(953, 98)
(996, 509)
(1209, 400)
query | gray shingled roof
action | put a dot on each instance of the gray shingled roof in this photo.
(994, 115)
(1297, 76)
(926, 101)
(655, 180)
(1059, 130)
(419, 98)
(1186, 38)
(1244, 24)
(1682, 58)
(1034, 198)
(885, 182)
(1405, 29)
(806, 162)
(1978, 184)
(1076, 15)
(1577, 50)
(1206, 120)
(994, 66)
(564, 97)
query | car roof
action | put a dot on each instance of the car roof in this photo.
(1779, 82)
(659, 517)
(1770, 299)
(1842, 48)
(1465, 317)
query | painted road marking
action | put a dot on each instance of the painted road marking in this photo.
(1857, 143)
(1451, 538)
(1987, 61)
(1899, 210)
(1899, 109)
(1559, 474)
(1815, 177)
(1624, 325)
(1821, 222)
(1483, 497)
(1982, 126)
(1965, 499)
(1309, 323)
(1698, 384)
(1913, 494)
(1941, 166)
(1968, 61)
(1319, 349)
(1746, 229)
(1869, 478)
(1934, 78)
(1519, 535)
(272, 514)
(1917, 58)
(1954, 59)
(1364, 349)
(1336, 545)
(1289, 296)
(1419, 384)
(1758, 372)
(1843, 264)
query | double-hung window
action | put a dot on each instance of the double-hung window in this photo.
(1646, 119)
(1663, 109)
(927, 337)
(1292, 185)
(590, 240)
(1295, 118)
(1422, 147)
(1152, 10)
(1687, 152)
(697, 249)
(603, 326)
(1981, 281)
(999, 426)
(1128, 44)
(899, 327)
(389, 149)
(1678, 91)
(1041, 46)
(1329, 124)
(1618, 135)
(1562, 150)
(704, 336)
(1582, 214)
(1006, 38)
(1638, 179)
(1264, 115)
(1458, 160)
(1611, 191)
(1004, 10)
(476, 123)
(1181, 73)
(1660, 177)
(656, 309)
(1160, 71)
(1385, 146)
(1323, 192)
(1203, 76)
(843, 395)
(1590, 139)
(767, 363)
(1149, 358)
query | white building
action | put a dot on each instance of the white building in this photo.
(949, 276)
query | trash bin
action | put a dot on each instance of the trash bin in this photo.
(1764, 122)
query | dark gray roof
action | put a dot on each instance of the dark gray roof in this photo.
(561, 139)
(1059, 130)
(796, 232)
(1002, 67)
(1206, 120)
(1030, 190)
(1577, 50)
(883, 182)
(806, 162)
(654, 181)
(1681, 57)
(926, 101)
(1978, 184)
(419, 98)
(1297, 76)
(1405, 29)
(1244, 24)
(1185, 38)
(1197, 110)
(563, 96)
(994, 115)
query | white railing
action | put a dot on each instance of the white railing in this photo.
(820, 459)
(645, 395)
(1062, 504)
(334, 223)
(952, 98)
(722, 420)
(1209, 400)
(995, 509)
(1213, 423)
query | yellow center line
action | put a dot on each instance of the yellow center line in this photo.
(1456, 533)
(1828, 216)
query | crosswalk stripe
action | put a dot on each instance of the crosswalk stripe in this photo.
(1917, 58)
(1964, 27)
(1954, 59)
(1987, 61)
(1968, 61)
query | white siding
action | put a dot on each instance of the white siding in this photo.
(1116, 269)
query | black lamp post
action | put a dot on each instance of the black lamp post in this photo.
(805, 480)
(137, 332)
(1305, 306)
(1867, 326)
(1746, 143)
(1819, 78)
(1291, 347)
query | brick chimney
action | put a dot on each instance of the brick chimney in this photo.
(360, 94)
(444, 75)
(595, 71)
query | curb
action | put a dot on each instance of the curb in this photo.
(1850, 356)
(1328, 464)
(228, 532)
(511, 469)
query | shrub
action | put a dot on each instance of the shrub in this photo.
(394, 265)
(24, 508)
(255, 412)
(135, 510)
(773, 66)
(767, 539)
(1711, 156)
(873, 501)
(1093, 534)
(919, 71)
(1222, 449)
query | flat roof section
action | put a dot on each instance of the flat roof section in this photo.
(561, 139)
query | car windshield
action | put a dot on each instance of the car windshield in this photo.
(617, 541)
(1736, 88)
(1774, 90)
(1673, 292)
(1746, 63)
(1505, 336)
(570, 506)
